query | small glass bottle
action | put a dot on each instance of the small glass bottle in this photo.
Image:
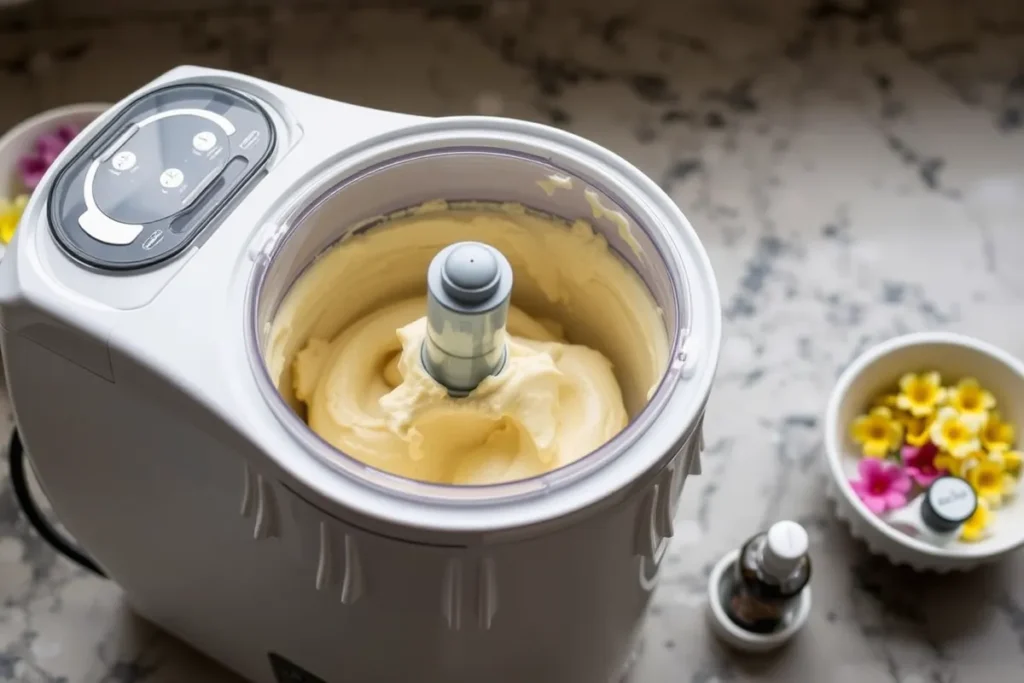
(772, 569)
(937, 515)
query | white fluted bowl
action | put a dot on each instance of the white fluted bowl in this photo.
(18, 141)
(954, 356)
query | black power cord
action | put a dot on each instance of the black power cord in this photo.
(46, 531)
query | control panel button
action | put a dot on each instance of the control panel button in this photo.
(171, 178)
(119, 142)
(123, 161)
(153, 240)
(204, 141)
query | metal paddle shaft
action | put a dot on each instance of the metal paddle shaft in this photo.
(468, 290)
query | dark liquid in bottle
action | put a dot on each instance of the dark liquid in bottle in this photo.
(756, 601)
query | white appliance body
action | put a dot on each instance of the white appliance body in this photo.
(138, 405)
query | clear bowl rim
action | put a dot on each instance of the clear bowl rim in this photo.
(317, 194)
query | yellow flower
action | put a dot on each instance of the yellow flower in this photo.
(10, 214)
(974, 528)
(877, 432)
(889, 401)
(917, 430)
(1010, 461)
(955, 466)
(971, 401)
(991, 482)
(997, 435)
(920, 394)
(959, 467)
(952, 434)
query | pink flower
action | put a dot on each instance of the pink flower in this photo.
(882, 486)
(67, 132)
(48, 147)
(31, 168)
(919, 462)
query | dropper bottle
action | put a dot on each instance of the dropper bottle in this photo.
(771, 571)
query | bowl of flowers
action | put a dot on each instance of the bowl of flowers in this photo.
(28, 150)
(915, 409)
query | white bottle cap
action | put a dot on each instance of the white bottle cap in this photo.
(786, 545)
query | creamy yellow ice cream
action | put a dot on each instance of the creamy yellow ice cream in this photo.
(345, 346)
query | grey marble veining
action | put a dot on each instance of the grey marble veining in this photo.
(853, 167)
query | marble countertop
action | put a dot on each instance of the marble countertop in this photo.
(854, 169)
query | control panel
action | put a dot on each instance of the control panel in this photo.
(159, 173)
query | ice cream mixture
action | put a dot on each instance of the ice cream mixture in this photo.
(586, 348)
